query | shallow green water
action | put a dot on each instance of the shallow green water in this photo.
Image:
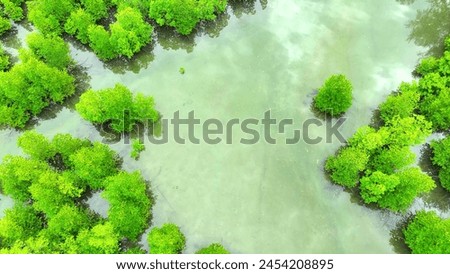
(262, 198)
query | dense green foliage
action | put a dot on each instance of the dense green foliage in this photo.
(389, 160)
(20, 223)
(408, 131)
(78, 24)
(51, 50)
(48, 184)
(129, 210)
(13, 9)
(431, 96)
(402, 104)
(379, 160)
(10, 10)
(441, 158)
(335, 96)
(184, 15)
(48, 16)
(123, 37)
(118, 107)
(90, 21)
(94, 164)
(167, 239)
(126, 36)
(396, 191)
(346, 168)
(136, 148)
(427, 233)
(51, 191)
(213, 249)
(35, 83)
(101, 239)
(17, 174)
(67, 222)
(5, 25)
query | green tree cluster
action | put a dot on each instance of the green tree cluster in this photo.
(51, 50)
(427, 233)
(395, 191)
(167, 239)
(377, 161)
(38, 81)
(129, 211)
(430, 96)
(402, 104)
(20, 223)
(335, 96)
(125, 37)
(441, 158)
(117, 106)
(10, 10)
(81, 18)
(48, 185)
(49, 16)
(184, 15)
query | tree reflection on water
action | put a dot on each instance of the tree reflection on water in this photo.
(431, 25)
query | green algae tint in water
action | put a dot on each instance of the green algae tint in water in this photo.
(262, 198)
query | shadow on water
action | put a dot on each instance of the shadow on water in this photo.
(240, 7)
(10, 39)
(398, 238)
(431, 26)
(140, 60)
(82, 83)
(169, 39)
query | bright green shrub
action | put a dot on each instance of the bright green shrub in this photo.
(18, 224)
(52, 50)
(129, 210)
(28, 88)
(413, 182)
(112, 104)
(167, 239)
(94, 164)
(335, 96)
(377, 185)
(184, 15)
(49, 16)
(13, 9)
(408, 131)
(428, 234)
(403, 104)
(345, 168)
(78, 25)
(5, 25)
(390, 160)
(101, 239)
(17, 174)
